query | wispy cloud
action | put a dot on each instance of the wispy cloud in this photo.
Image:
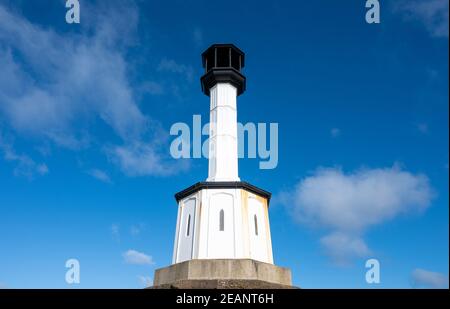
(100, 175)
(421, 278)
(169, 65)
(141, 159)
(152, 87)
(145, 281)
(341, 247)
(115, 232)
(57, 86)
(137, 258)
(346, 205)
(24, 165)
(335, 132)
(197, 35)
(70, 78)
(422, 128)
(433, 14)
(136, 229)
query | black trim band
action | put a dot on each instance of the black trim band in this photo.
(223, 185)
(223, 75)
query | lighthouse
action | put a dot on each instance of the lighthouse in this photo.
(222, 235)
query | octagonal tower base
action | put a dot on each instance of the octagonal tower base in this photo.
(223, 274)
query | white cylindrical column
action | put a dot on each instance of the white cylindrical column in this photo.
(223, 143)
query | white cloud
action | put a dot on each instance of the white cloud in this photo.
(197, 35)
(138, 258)
(25, 166)
(55, 86)
(141, 159)
(135, 230)
(342, 247)
(100, 175)
(169, 65)
(346, 205)
(42, 169)
(335, 132)
(422, 128)
(74, 77)
(115, 232)
(145, 281)
(421, 278)
(152, 87)
(433, 14)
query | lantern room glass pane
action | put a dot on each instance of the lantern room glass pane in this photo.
(210, 62)
(223, 57)
(235, 63)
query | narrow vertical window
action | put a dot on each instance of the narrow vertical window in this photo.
(221, 221)
(188, 226)
(256, 225)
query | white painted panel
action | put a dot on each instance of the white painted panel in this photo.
(223, 159)
(186, 231)
(221, 243)
(175, 247)
(257, 230)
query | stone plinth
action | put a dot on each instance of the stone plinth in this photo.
(223, 274)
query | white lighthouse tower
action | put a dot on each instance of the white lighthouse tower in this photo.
(223, 229)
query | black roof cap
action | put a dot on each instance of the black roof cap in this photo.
(228, 45)
(223, 64)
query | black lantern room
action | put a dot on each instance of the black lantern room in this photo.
(223, 64)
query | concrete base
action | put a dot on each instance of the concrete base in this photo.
(222, 284)
(223, 274)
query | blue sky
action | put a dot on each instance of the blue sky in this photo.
(85, 111)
